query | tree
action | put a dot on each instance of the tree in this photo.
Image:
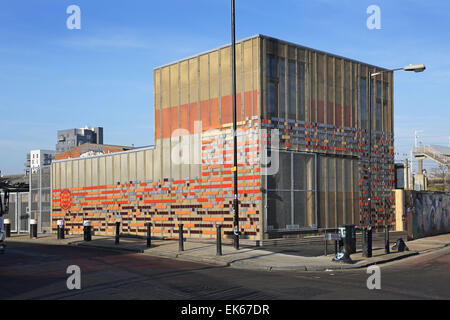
(440, 175)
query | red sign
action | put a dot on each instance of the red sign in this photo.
(66, 199)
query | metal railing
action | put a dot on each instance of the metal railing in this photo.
(434, 155)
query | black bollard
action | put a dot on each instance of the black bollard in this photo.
(60, 230)
(180, 237)
(386, 239)
(7, 225)
(369, 242)
(149, 235)
(219, 240)
(87, 231)
(33, 228)
(116, 241)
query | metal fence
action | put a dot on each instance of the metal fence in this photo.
(39, 200)
(18, 211)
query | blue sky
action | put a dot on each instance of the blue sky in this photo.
(102, 75)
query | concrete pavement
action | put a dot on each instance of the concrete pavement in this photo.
(255, 258)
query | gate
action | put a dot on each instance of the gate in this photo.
(17, 211)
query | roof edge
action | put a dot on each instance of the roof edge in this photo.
(269, 38)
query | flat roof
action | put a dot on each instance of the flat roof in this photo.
(108, 154)
(269, 38)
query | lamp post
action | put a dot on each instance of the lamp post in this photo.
(411, 67)
(235, 164)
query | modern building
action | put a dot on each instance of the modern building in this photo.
(90, 149)
(71, 138)
(38, 158)
(303, 122)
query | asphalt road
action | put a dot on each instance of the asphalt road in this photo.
(33, 271)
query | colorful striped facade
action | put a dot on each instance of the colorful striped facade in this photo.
(307, 108)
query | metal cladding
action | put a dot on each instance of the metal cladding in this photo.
(308, 101)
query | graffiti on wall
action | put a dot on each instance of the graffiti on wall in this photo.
(431, 214)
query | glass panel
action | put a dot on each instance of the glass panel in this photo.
(363, 102)
(348, 188)
(378, 116)
(304, 204)
(282, 179)
(35, 179)
(300, 172)
(46, 177)
(11, 214)
(292, 90)
(24, 216)
(271, 66)
(339, 191)
(304, 172)
(282, 113)
(45, 200)
(35, 201)
(322, 184)
(272, 103)
(301, 91)
(279, 209)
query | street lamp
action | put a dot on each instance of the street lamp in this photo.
(235, 164)
(411, 67)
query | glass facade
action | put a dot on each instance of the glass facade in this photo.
(40, 198)
(291, 193)
(331, 106)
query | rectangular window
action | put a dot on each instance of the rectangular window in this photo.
(301, 91)
(363, 102)
(378, 124)
(386, 109)
(282, 113)
(272, 67)
(291, 192)
(272, 100)
(272, 86)
(292, 80)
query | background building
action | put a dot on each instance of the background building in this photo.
(90, 149)
(71, 138)
(307, 107)
(38, 158)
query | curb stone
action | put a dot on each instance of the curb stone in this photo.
(240, 265)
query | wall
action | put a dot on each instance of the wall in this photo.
(319, 103)
(127, 187)
(428, 213)
(187, 177)
(327, 119)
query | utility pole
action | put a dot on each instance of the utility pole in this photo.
(235, 165)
